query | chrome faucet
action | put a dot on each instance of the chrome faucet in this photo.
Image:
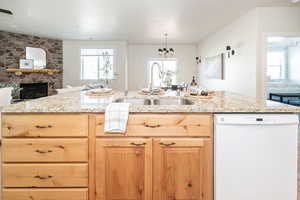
(151, 81)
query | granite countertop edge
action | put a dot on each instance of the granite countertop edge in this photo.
(80, 102)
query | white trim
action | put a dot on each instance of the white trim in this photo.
(160, 59)
(126, 81)
(98, 76)
(264, 55)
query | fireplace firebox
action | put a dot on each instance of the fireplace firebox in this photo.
(33, 90)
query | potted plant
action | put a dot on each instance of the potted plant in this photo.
(107, 69)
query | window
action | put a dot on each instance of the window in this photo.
(97, 64)
(168, 72)
(276, 65)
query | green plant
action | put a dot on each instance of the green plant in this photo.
(107, 68)
(16, 89)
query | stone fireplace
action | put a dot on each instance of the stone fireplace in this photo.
(13, 48)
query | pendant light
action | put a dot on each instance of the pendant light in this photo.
(166, 52)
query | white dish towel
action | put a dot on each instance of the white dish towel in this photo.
(116, 117)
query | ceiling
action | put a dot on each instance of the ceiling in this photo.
(136, 21)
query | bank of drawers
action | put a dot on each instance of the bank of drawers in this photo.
(45, 157)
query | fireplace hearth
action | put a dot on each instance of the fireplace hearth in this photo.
(33, 90)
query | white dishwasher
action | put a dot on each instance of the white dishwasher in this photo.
(256, 156)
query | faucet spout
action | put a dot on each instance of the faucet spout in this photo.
(151, 75)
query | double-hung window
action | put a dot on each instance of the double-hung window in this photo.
(276, 61)
(165, 75)
(97, 64)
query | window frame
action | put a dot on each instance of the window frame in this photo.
(98, 65)
(160, 60)
(284, 71)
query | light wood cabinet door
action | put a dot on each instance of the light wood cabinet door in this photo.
(124, 169)
(182, 169)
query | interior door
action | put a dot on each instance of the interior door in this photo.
(182, 169)
(124, 169)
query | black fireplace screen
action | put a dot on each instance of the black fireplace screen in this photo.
(33, 90)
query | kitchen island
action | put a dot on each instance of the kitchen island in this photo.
(219, 102)
(56, 148)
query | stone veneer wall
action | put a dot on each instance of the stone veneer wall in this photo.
(12, 49)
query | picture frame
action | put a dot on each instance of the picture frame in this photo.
(214, 67)
(26, 64)
(38, 55)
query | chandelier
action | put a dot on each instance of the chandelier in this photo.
(166, 52)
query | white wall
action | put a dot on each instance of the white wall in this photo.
(240, 70)
(134, 56)
(139, 55)
(71, 56)
(279, 19)
(245, 72)
(274, 21)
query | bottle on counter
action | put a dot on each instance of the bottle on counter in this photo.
(193, 83)
(193, 87)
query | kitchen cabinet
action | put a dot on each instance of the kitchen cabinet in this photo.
(58, 156)
(123, 169)
(42, 194)
(182, 169)
(45, 156)
(45, 175)
(45, 150)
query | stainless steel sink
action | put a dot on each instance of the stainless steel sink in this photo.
(134, 101)
(173, 102)
(166, 101)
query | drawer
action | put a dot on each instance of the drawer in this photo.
(45, 175)
(45, 194)
(45, 125)
(179, 125)
(45, 150)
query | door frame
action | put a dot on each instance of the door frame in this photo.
(263, 61)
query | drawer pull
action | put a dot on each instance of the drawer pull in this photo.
(43, 177)
(42, 152)
(138, 144)
(152, 126)
(167, 144)
(49, 126)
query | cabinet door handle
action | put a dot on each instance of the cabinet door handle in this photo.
(43, 177)
(38, 126)
(152, 126)
(167, 144)
(42, 152)
(138, 144)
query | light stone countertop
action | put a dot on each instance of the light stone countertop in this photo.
(79, 102)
